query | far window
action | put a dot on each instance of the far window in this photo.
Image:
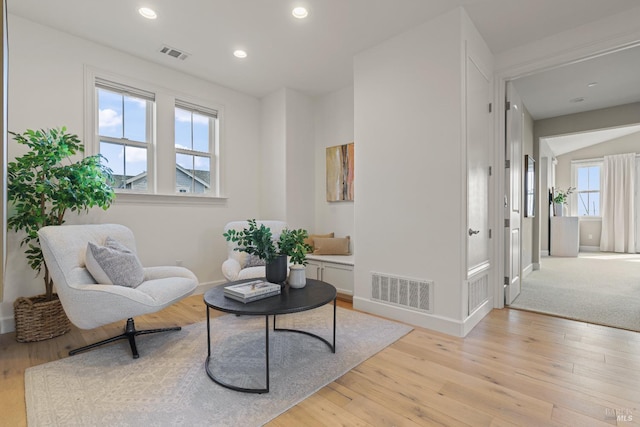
(587, 194)
(196, 144)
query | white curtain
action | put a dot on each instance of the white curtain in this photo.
(618, 207)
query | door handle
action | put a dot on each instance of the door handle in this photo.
(472, 232)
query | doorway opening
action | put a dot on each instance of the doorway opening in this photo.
(566, 109)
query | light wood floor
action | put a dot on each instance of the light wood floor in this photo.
(514, 368)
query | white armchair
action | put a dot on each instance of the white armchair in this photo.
(236, 267)
(89, 304)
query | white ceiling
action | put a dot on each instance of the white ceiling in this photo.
(314, 55)
(567, 143)
(550, 93)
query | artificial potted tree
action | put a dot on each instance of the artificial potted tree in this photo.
(259, 241)
(43, 185)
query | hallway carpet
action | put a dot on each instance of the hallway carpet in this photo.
(600, 288)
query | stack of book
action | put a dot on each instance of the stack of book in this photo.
(251, 291)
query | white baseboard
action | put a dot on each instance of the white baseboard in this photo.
(544, 253)
(472, 320)
(7, 324)
(527, 270)
(434, 322)
(589, 248)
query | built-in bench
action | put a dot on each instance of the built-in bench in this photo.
(334, 269)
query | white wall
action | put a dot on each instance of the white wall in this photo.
(46, 89)
(408, 131)
(334, 126)
(590, 229)
(300, 166)
(287, 158)
(273, 156)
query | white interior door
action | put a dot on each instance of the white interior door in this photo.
(479, 155)
(513, 191)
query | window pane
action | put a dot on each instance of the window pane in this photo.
(583, 179)
(203, 174)
(135, 119)
(201, 132)
(588, 190)
(136, 160)
(594, 178)
(184, 173)
(583, 203)
(115, 160)
(589, 204)
(183, 129)
(109, 113)
(193, 173)
(594, 204)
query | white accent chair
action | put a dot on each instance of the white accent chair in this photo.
(234, 267)
(89, 304)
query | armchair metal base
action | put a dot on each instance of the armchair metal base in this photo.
(130, 334)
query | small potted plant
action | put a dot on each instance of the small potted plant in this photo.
(292, 243)
(560, 198)
(43, 185)
(258, 240)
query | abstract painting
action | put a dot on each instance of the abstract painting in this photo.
(340, 173)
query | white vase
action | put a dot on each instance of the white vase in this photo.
(558, 208)
(297, 276)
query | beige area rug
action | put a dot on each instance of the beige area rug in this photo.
(168, 385)
(600, 288)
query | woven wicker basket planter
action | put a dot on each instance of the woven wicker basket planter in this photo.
(38, 319)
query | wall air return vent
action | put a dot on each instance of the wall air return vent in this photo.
(174, 53)
(416, 294)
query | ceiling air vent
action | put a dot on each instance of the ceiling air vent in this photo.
(173, 52)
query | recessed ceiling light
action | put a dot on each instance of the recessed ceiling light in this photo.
(592, 84)
(575, 100)
(300, 12)
(240, 53)
(147, 13)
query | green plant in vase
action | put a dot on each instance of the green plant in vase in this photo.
(258, 240)
(562, 197)
(255, 240)
(292, 244)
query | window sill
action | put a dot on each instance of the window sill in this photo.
(168, 199)
(590, 218)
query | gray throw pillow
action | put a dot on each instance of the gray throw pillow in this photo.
(114, 264)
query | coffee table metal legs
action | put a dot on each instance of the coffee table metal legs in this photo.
(231, 386)
(331, 345)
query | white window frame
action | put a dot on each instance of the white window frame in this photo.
(575, 165)
(213, 153)
(161, 187)
(150, 125)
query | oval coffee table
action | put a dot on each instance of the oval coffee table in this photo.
(315, 294)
